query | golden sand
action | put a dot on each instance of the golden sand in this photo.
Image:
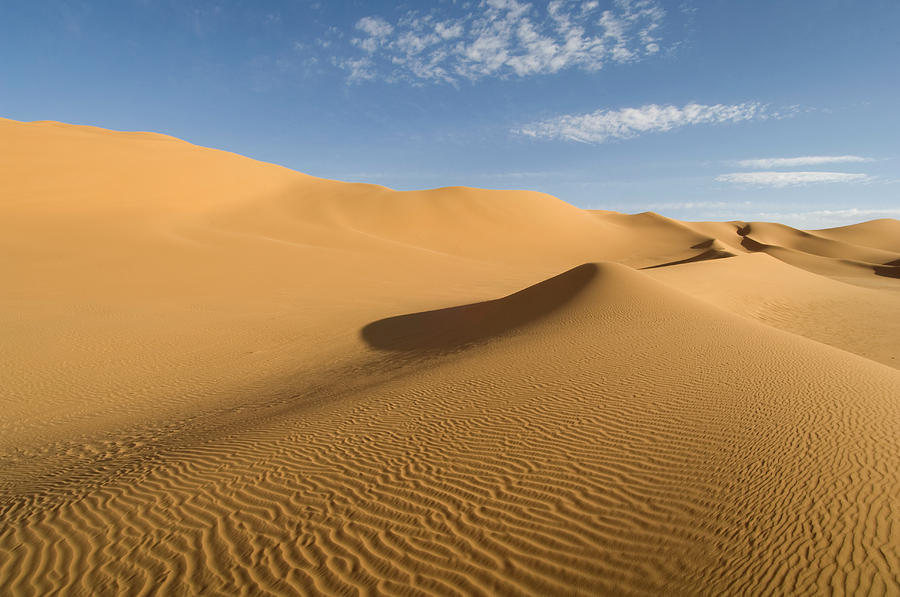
(220, 376)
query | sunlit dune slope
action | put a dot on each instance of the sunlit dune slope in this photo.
(878, 234)
(147, 268)
(860, 320)
(224, 377)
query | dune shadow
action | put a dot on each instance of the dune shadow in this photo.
(704, 256)
(748, 243)
(891, 270)
(454, 328)
(753, 245)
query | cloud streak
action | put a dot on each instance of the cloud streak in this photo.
(828, 217)
(505, 38)
(606, 125)
(811, 160)
(789, 179)
(684, 205)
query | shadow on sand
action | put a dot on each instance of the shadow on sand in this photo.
(453, 328)
(889, 270)
(711, 252)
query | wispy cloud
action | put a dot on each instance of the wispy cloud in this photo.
(809, 160)
(505, 38)
(605, 125)
(684, 205)
(787, 179)
(828, 217)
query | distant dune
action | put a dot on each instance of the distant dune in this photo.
(224, 377)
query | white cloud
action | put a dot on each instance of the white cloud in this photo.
(375, 27)
(787, 179)
(823, 218)
(360, 70)
(810, 160)
(604, 125)
(506, 38)
(852, 212)
(680, 205)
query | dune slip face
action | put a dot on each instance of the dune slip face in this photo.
(224, 377)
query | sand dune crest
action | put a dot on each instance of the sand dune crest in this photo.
(224, 377)
(451, 328)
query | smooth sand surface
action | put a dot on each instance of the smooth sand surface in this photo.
(223, 377)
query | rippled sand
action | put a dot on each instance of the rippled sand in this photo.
(221, 377)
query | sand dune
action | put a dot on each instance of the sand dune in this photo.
(224, 377)
(878, 234)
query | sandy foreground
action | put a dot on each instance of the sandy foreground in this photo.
(220, 376)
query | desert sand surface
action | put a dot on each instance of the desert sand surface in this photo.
(224, 377)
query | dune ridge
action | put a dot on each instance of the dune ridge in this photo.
(225, 377)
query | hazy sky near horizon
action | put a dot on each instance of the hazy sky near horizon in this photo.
(715, 109)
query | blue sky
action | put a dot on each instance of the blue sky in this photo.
(714, 109)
